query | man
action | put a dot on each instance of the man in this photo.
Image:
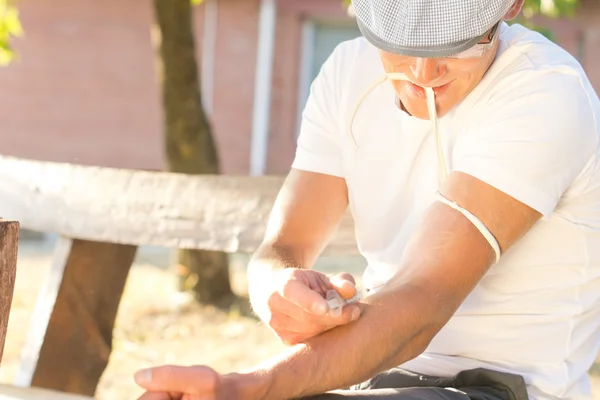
(479, 219)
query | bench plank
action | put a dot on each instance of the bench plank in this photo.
(221, 213)
(70, 339)
(9, 242)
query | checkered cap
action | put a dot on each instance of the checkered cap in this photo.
(427, 28)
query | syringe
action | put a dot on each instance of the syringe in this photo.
(337, 302)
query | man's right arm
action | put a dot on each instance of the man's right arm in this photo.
(305, 216)
(283, 290)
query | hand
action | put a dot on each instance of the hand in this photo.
(293, 303)
(171, 382)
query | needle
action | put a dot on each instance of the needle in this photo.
(336, 302)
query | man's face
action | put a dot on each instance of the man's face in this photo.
(452, 78)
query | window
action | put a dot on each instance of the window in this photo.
(319, 39)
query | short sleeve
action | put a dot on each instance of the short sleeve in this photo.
(318, 147)
(533, 139)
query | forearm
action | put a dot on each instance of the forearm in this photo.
(386, 335)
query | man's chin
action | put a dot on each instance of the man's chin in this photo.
(416, 109)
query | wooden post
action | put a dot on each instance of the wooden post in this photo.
(70, 339)
(9, 240)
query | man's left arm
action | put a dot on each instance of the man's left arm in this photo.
(443, 262)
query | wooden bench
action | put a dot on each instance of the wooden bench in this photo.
(102, 215)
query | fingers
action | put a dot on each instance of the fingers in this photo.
(304, 296)
(291, 318)
(294, 325)
(298, 309)
(169, 378)
(347, 276)
(292, 331)
(298, 293)
(344, 284)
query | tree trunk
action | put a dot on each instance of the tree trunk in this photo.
(189, 145)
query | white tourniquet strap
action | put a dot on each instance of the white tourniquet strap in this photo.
(475, 221)
(442, 171)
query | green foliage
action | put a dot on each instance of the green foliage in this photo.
(546, 8)
(10, 27)
(550, 8)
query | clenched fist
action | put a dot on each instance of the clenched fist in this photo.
(292, 302)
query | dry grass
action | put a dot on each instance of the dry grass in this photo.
(155, 325)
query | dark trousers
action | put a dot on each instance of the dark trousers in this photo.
(399, 384)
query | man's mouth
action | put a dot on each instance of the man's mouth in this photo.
(419, 91)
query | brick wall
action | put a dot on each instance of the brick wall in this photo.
(286, 75)
(235, 66)
(83, 89)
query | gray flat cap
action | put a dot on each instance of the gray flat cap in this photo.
(427, 28)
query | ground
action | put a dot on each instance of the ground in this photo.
(156, 324)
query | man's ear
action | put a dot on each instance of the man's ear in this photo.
(514, 10)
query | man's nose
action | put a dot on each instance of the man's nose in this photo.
(426, 71)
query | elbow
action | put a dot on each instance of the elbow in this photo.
(409, 350)
(421, 342)
(412, 348)
(434, 316)
(426, 318)
(427, 313)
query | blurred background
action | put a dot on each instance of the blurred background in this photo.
(104, 83)
(83, 88)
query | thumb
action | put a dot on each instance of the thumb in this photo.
(344, 284)
(170, 378)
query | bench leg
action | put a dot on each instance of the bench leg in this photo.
(70, 338)
(9, 242)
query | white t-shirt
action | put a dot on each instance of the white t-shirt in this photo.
(530, 129)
